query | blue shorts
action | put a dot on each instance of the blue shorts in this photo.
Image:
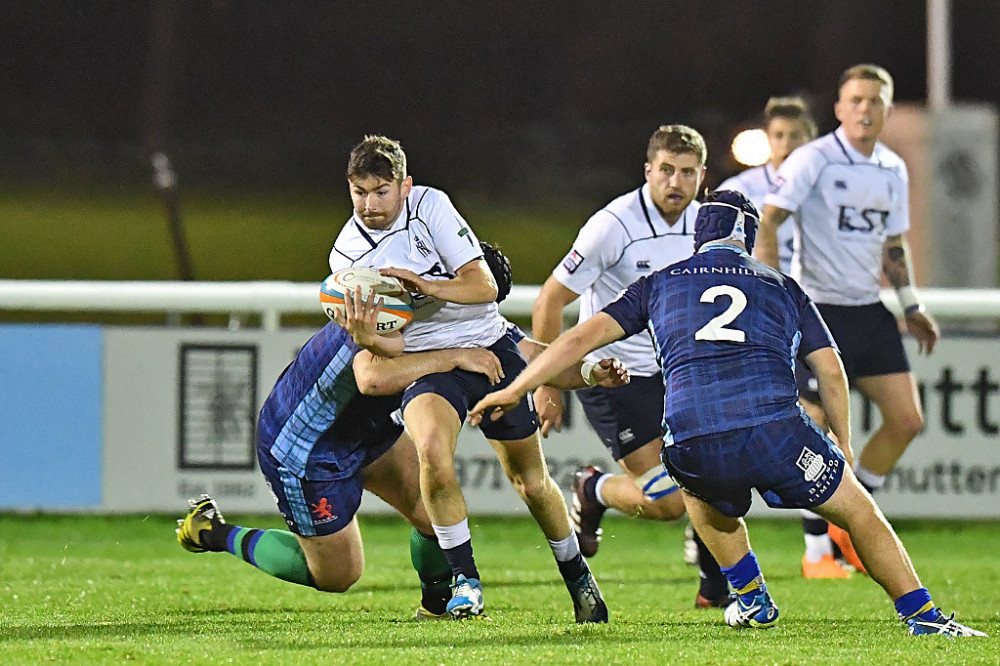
(326, 497)
(868, 338)
(628, 417)
(790, 462)
(463, 389)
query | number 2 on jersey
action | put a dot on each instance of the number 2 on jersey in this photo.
(716, 329)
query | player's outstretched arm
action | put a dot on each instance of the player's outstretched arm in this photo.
(609, 372)
(360, 319)
(898, 270)
(567, 350)
(473, 283)
(766, 247)
(546, 325)
(833, 392)
(376, 375)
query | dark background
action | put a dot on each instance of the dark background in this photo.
(526, 102)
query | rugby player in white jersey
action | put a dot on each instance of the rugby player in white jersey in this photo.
(789, 125)
(634, 235)
(848, 196)
(415, 234)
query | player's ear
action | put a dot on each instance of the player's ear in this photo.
(836, 111)
(406, 186)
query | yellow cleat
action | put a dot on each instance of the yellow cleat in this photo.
(203, 515)
(423, 614)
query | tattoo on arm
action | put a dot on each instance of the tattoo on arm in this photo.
(895, 262)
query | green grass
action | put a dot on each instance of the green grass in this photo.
(119, 589)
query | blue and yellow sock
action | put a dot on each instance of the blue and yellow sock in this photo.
(917, 604)
(746, 578)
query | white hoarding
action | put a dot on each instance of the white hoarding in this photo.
(180, 404)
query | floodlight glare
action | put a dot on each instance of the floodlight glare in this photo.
(750, 147)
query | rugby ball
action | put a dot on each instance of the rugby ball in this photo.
(346, 279)
(397, 310)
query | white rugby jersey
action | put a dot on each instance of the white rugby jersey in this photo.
(754, 183)
(845, 205)
(620, 243)
(431, 239)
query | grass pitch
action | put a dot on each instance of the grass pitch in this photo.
(119, 589)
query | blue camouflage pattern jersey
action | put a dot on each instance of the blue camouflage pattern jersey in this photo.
(315, 414)
(726, 329)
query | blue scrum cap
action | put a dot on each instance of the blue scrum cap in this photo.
(726, 215)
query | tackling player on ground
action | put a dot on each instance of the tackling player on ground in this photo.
(319, 443)
(726, 328)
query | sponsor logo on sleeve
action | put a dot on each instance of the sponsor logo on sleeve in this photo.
(572, 261)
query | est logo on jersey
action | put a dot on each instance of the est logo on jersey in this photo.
(397, 308)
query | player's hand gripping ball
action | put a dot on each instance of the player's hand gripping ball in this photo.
(397, 310)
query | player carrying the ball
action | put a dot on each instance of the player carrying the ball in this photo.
(416, 235)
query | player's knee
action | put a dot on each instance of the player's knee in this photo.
(669, 507)
(908, 426)
(662, 499)
(528, 483)
(339, 580)
(437, 463)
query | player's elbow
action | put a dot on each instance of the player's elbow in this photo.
(370, 383)
(491, 292)
(369, 378)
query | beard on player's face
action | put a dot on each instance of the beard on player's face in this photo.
(673, 180)
(378, 202)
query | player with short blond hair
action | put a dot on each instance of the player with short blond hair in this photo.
(848, 196)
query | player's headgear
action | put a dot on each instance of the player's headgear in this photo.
(726, 214)
(499, 266)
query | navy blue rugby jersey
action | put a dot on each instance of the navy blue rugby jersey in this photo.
(316, 395)
(727, 330)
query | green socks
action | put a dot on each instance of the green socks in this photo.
(275, 552)
(435, 573)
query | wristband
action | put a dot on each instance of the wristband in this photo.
(908, 299)
(587, 372)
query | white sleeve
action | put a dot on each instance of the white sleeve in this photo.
(796, 177)
(599, 244)
(733, 183)
(899, 217)
(454, 239)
